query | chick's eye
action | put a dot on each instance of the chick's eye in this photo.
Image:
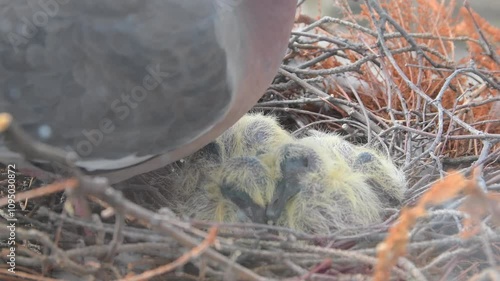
(260, 136)
(364, 158)
(299, 159)
(257, 134)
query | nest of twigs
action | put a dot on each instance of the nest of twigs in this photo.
(387, 76)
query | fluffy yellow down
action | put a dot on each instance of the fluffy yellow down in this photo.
(350, 186)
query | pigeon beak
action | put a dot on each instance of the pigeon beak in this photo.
(257, 214)
(284, 192)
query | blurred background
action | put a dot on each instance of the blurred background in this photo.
(489, 9)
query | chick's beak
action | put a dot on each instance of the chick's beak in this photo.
(285, 190)
(256, 214)
(245, 203)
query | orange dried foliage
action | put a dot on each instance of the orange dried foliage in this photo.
(434, 18)
(477, 205)
(492, 34)
(431, 17)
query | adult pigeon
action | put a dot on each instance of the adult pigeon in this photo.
(132, 85)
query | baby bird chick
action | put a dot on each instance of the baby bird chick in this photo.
(225, 181)
(326, 183)
(257, 172)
